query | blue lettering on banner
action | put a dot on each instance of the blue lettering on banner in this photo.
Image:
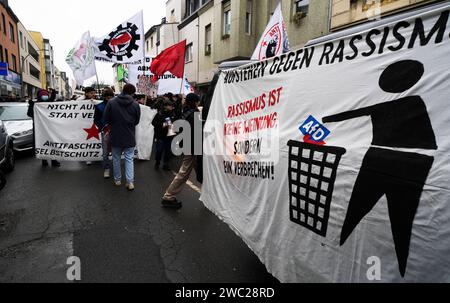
(314, 130)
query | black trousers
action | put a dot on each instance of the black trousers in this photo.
(400, 176)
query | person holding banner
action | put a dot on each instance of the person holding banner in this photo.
(43, 96)
(163, 123)
(99, 120)
(123, 114)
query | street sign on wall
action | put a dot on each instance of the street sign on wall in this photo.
(3, 69)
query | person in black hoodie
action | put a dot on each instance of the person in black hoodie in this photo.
(191, 113)
(163, 122)
(122, 114)
(42, 96)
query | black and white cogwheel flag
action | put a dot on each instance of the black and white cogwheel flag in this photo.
(124, 44)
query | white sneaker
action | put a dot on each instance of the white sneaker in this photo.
(130, 186)
(118, 183)
(107, 174)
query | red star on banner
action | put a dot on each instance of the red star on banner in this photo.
(92, 132)
(264, 43)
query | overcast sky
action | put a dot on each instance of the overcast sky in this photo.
(63, 22)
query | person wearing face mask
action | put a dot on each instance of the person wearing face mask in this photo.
(99, 121)
(43, 96)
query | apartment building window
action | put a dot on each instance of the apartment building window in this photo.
(172, 16)
(11, 33)
(191, 7)
(302, 6)
(21, 39)
(1, 53)
(33, 53)
(189, 53)
(208, 40)
(23, 64)
(14, 63)
(248, 17)
(226, 18)
(146, 42)
(151, 42)
(4, 23)
(34, 72)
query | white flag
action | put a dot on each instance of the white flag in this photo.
(274, 40)
(125, 44)
(187, 87)
(81, 59)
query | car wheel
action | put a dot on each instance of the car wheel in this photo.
(10, 160)
(2, 180)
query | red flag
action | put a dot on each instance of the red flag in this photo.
(170, 60)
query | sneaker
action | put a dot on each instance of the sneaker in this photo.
(107, 174)
(130, 186)
(171, 204)
(89, 163)
(117, 183)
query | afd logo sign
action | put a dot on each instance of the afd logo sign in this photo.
(314, 131)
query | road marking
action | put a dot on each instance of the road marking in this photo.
(190, 184)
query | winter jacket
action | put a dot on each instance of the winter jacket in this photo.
(99, 115)
(122, 113)
(158, 122)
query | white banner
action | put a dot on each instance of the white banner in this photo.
(274, 40)
(332, 162)
(125, 44)
(65, 131)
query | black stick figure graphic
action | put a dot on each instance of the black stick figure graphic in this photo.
(402, 123)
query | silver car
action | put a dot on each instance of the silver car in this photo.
(18, 125)
(6, 152)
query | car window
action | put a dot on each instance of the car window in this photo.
(12, 113)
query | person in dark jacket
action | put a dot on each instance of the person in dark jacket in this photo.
(163, 122)
(42, 96)
(99, 120)
(191, 113)
(122, 114)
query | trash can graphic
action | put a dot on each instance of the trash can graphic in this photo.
(312, 174)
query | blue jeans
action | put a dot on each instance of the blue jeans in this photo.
(106, 162)
(129, 163)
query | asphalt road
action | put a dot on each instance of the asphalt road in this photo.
(48, 215)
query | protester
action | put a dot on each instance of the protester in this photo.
(99, 119)
(163, 122)
(141, 99)
(42, 96)
(122, 114)
(89, 94)
(190, 114)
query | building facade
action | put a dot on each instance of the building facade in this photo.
(346, 13)
(222, 30)
(10, 85)
(39, 41)
(29, 62)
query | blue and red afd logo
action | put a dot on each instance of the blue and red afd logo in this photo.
(314, 132)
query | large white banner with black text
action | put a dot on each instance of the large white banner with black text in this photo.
(332, 162)
(65, 131)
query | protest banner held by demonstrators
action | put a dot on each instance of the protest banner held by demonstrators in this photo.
(334, 155)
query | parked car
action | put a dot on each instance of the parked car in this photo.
(18, 125)
(7, 159)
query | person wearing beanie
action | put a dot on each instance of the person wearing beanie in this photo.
(122, 114)
(43, 96)
(191, 113)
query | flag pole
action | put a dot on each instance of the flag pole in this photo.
(184, 68)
